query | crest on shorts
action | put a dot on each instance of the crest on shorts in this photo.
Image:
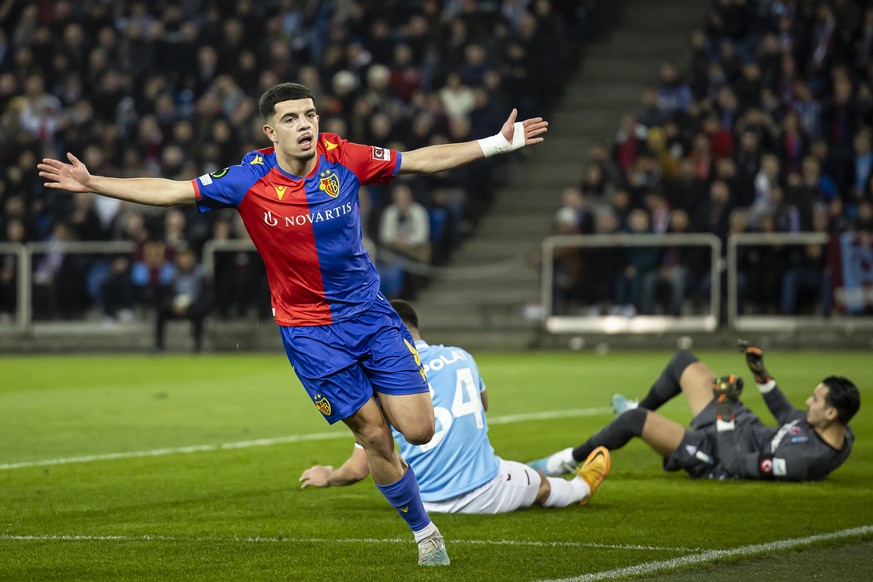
(329, 183)
(322, 404)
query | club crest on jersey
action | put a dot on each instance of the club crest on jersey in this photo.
(329, 183)
(280, 191)
(322, 404)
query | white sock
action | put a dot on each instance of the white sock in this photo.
(566, 492)
(558, 461)
(429, 530)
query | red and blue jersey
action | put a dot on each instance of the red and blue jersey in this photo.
(307, 229)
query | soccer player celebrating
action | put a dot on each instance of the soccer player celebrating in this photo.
(299, 202)
(727, 440)
(457, 470)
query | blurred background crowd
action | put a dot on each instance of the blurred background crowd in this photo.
(170, 89)
(766, 128)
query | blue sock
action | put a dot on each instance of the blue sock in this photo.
(403, 495)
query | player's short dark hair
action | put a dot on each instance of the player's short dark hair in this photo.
(279, 93)
(844, 396)
(406, 312)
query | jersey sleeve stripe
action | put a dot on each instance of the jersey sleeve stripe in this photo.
(398, 163)
(197, 193)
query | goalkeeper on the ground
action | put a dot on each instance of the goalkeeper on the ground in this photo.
(726, 439)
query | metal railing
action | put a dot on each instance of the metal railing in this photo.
(26, 253)
(211, 247)
(784, 323)
(607, 324)
(641, 323)
(22, 307)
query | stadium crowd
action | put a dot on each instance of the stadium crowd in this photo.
(169, 88)
(768, 130)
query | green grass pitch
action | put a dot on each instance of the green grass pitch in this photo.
(223, 511)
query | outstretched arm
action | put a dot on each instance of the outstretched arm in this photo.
(353, 470)
(75, 177)
(781, 409)
(439, 158)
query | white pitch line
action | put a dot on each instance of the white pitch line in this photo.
(552, 414)
(290, 540)
(648, 568)
(322, 436)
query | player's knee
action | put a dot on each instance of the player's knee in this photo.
(633, 420)
(681, 360)
(375, 439)
(420, 434)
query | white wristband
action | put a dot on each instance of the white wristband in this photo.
(497, 144)
(722, 425)
(764, 388)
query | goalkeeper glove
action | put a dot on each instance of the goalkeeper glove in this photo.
(726, 390)
(755, 361)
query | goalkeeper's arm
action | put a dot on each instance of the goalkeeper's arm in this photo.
(776, 401)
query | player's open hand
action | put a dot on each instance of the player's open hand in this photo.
(755, 361)
(73, 177)
(316, 476)
(534, 128)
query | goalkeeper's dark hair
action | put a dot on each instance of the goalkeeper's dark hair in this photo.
(279, 93)
(844, 396)
(406, 312)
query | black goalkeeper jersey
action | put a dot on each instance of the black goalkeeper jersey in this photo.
(793, 451)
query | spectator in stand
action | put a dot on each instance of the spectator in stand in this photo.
(58, 282)
(239, 278)
(84, 221)
(457, 98)
(806, 281)
(861, 170)
(764, 266)
(184, 297)
(629, 141)
(639, 261)
(713, 213)
(151, 270)
(600, 268)
(767, 178)
(404, 231)
(673, 93)
(14, 233)
(650, 113)
(721, 141)
(596, 187)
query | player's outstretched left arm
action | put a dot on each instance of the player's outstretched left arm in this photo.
(353, 470)
(73, 176)
(439, 158)
(776, 401)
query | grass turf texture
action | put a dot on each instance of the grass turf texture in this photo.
(237, 514)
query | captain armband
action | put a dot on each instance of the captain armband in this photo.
(497, 144)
